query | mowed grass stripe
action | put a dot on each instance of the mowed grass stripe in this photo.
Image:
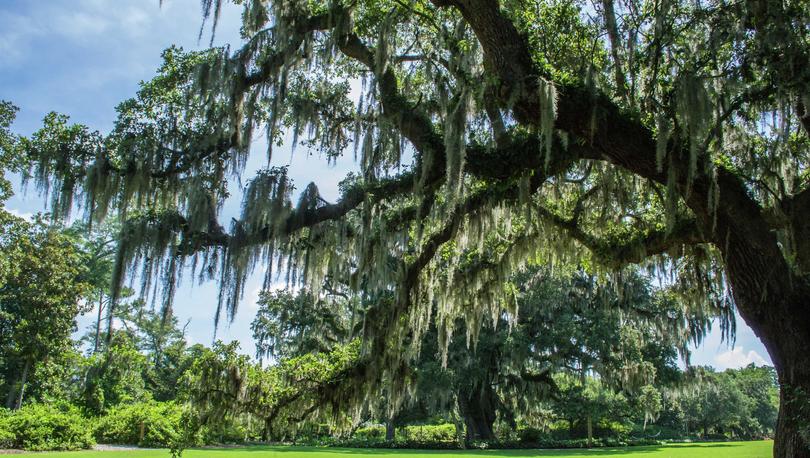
(757, 449)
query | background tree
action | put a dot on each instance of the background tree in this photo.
(673, 134)
(223, 384)
(569, 321)
(99, 247)
(41, 295)
(650, 402)
(585, 401)
(11, 158)
(759, 385)
(115, 376)
(713, 403)
(289, 324)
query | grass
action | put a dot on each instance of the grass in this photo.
(758, 449)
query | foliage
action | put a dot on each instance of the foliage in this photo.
(158, 335)
(12, 158)
(430, 433)
(490, 135)
(114, 377)
(370, 433)
(650, 403)
(47, 427)
(145, 424)
(585, 403)
(759, 386)
(223, 385)
(41, 287)
(7, 436)
(287, 324)
(738, 402)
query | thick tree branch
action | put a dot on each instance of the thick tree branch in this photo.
(618, 253)
(414, 124)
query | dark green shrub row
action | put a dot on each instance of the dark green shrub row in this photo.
(412, 433)
(430, 433)
(565, 443)
(369, 433)
(546, 443)
(45, 427)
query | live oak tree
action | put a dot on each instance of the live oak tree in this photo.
(288, 325)
(668, 133)
(222, 384)
(569, 322)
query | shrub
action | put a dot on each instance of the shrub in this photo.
(374, 432)
(6, 436)
(430, 433)
(229, 431)
(46, 427)
(145, 424)
(531, 435)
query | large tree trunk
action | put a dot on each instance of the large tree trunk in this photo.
(478, 410)
(789, 348)
(267, 431)
(792, 426)
(773, 297)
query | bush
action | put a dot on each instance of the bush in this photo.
(229, 431)
(531, 435)
(374, 432)
(145, 424)
(45, 427)
(6, 436)
(430, 433)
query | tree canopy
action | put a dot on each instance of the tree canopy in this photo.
(41, 287)
(490, 134)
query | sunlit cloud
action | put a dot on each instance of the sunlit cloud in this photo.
(737, 358)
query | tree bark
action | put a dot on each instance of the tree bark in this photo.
(792, 427)
(478, 410)
(23, 382)
(267, 431)
(390, 431)
(590, 431)
(98, 321)
(774, 300)
(11, 395)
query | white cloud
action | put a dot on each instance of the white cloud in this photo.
(251, 299)
(85, 20)
(737, 358)
(18, 31)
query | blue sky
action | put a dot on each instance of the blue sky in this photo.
(83, 57)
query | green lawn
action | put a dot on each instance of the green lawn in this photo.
(759, 449)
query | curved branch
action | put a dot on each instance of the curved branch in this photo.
(617, 253)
